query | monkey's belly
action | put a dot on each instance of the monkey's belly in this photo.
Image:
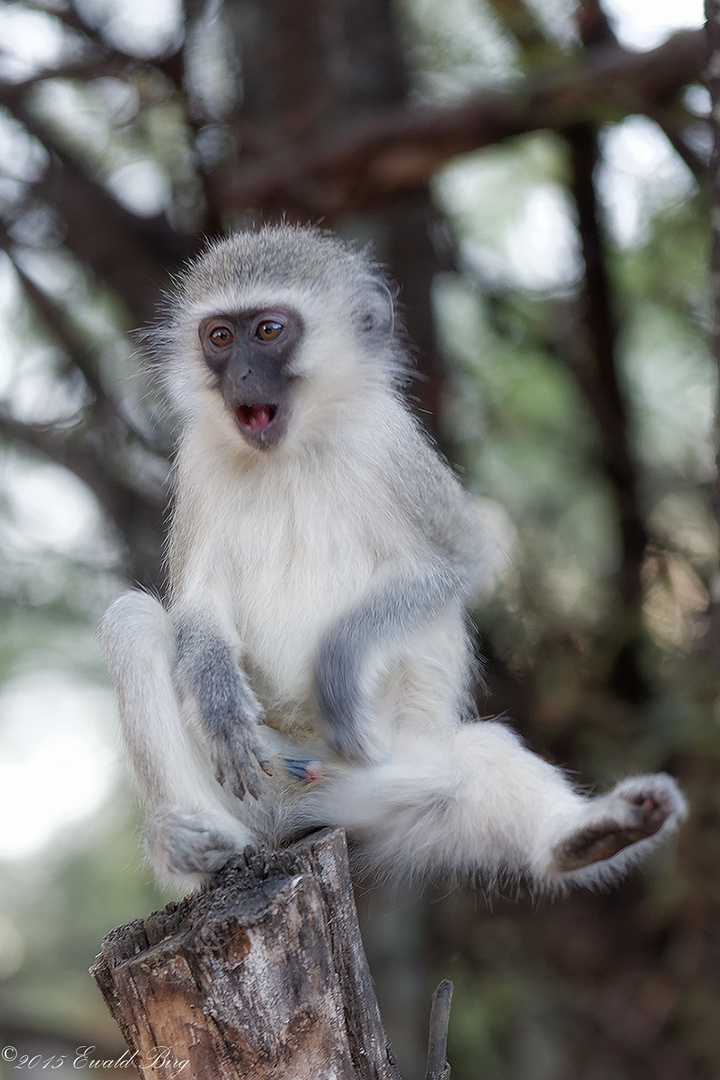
(280, 652)
(301, 723)
(280, 667)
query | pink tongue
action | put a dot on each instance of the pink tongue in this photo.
(256, 417)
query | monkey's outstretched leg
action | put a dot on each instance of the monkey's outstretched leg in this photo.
(191, 830)
(474, 802)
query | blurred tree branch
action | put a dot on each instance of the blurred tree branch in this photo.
(402, 149)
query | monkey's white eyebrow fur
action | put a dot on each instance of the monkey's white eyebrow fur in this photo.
(319, 573)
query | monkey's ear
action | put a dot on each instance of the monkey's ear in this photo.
(376, 316)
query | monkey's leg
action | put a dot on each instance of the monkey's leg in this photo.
(191, 828)
(474, 802)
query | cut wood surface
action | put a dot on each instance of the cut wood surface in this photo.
(260, 974)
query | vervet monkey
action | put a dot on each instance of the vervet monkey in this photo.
(311, 664)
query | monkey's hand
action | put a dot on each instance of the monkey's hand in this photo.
(233, 746)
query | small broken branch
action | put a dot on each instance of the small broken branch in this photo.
(437, 1065)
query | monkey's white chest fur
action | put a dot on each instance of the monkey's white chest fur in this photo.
(290, 549)
(296, 576)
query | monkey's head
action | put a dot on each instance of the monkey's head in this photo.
(274, 335)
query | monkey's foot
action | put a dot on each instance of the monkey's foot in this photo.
(637, 809)
(185, 844)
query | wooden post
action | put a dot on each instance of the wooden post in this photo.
(260, 974)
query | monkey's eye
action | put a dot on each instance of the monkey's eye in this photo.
(221, 336)
(269, 330)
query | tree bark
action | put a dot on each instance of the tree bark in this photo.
(261, 974)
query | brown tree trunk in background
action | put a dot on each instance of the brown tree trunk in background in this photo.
(600, 377)
(712, 80)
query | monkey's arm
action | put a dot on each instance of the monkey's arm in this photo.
(207, 671)
(438, 563)
(362, 646)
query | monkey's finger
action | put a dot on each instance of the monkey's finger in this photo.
(253, 786)
(260, 754)
(238, 788)
(266, 765)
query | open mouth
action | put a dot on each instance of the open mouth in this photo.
(255, 418)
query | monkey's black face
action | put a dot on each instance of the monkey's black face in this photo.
(250, 353)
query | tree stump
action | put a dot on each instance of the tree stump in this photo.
(260, 974)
